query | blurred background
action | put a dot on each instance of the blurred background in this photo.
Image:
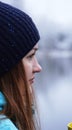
(53, 85)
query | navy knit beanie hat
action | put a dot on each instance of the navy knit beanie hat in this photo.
(18, 35)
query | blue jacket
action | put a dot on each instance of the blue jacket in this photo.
(6, 123)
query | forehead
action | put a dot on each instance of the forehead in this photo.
(36, 46)
(34, 49)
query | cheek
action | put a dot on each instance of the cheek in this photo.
(28, 70)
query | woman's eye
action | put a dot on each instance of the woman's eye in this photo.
(31, 56)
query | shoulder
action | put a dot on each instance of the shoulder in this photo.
(6, 124)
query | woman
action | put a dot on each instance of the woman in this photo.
(18, 64)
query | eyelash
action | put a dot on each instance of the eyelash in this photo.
(31, 55)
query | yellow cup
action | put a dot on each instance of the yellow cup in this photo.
(69, 126)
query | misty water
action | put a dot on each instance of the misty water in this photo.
(54, 91)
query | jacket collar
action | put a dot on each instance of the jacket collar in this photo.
(2, 100)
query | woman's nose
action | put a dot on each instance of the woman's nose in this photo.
(37, 67)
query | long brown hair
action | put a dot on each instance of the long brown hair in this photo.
(15, 88)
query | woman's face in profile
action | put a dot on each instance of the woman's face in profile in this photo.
(31, 65)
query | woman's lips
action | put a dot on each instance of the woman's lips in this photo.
(32, 80)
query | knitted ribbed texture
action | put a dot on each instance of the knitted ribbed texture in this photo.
(18, 35)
